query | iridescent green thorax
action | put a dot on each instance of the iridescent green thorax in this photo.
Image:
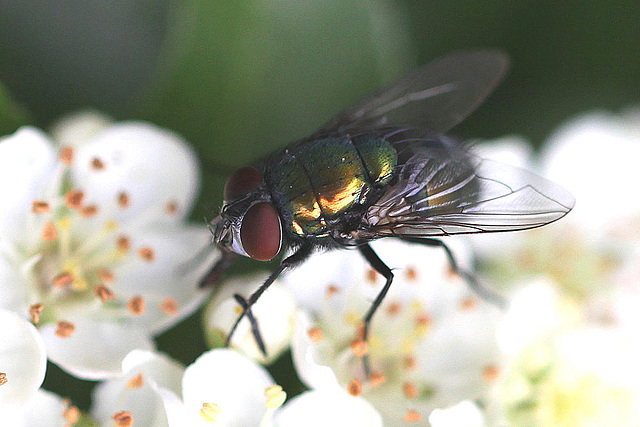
(321, 180)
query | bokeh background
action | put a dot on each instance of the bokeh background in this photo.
(240, 78)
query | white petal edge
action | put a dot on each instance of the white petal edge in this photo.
(27, 166)
(22, 358)
(327, 408)
(307, 359)
(43, 409)
(233, 382)
(95, 349)
(77, 128)
(143, 401)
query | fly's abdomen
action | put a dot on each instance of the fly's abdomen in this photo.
(317, 182)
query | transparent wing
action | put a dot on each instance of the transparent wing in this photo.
(437, 96)
(444, 191)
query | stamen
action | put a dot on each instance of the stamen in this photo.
(372, 275)
(66, 155)
(359, 348)
(97, 164)
(105, 275)
(40, 206)
(63, 280)
(490, 373)
(394, 308)
(104, 293)
(89, 211)
(65, 329)
(171, 208)
(376, 378)
(169, 306)
(409, 390)
(34, 312)
(331, 291)
(123, 200)
(71, 414)
(147, 254)
(124, 244)
(315, 334)
(423, 321)
(135, 382)
(123, 419)
(412, 416)
(3, 378)
(136, 305)
(49, 232)
(355, 387)
(275, 396)
(468, 303)
(409, 362)
(73, 199)
(411, 274)
(209, 412)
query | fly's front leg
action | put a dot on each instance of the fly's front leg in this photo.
(300, 255)
(378, 265)
(484, 292)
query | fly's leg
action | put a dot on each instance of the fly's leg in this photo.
(291, 261)
(482, 291)
(214, 275)
(378, 265)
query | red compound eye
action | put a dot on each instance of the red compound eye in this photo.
(241, 182)
(260, 232)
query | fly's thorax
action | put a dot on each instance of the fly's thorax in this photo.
(319, 185)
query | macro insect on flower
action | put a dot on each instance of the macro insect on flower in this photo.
(383, 168)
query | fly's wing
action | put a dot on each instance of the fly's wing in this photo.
(445, 190)
(437, 96)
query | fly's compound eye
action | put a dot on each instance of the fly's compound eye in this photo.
(261, 232)
(241, 182)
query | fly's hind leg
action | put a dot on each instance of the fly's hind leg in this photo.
(482, 291)
(377, 264)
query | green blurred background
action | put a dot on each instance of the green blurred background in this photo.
(240, 78)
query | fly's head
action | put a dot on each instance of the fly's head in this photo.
(248, 223)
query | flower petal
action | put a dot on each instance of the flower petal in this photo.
(43, 409)
(231, 381)
(168, 273)
(22, 359)
(76, 129)
(27, 164)
(464, 413)
(308, 359)
(95, 349)
(155, 170)
(136, 389)
(327, 408)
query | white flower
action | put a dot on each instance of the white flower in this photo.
(93, 243)
(274, 312)
(23, 362)
(431, 342)
(225, 389)
(563, 370)
(594, 156)
(134, 393)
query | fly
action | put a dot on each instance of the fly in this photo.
(383, 168)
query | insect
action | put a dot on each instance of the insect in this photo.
(383, 168)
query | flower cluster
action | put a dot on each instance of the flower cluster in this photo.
(96, 258)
